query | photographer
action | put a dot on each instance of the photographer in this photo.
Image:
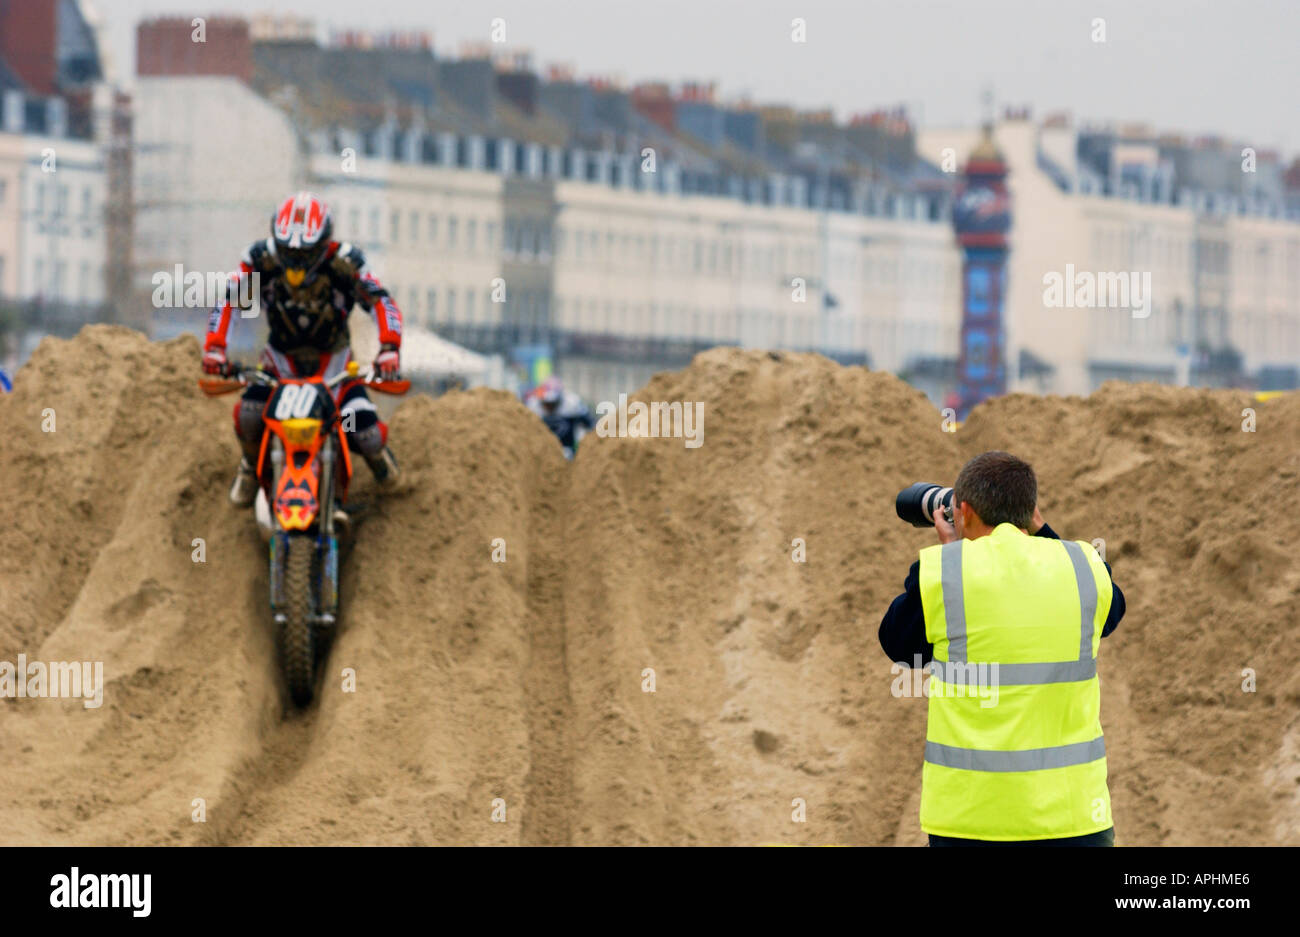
(1002, 595)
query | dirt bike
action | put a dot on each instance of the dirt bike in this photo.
(304, 468)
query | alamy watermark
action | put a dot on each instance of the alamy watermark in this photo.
(58, 679)
(1106, 290)
(952, 679)
(659, 419)
(79, 889)
(177, 289)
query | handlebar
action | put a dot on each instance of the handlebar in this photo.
(239, 375)
(258, 375)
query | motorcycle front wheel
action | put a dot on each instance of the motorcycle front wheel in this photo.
(296, 640)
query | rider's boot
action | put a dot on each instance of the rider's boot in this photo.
(243, 492)
(384, 465)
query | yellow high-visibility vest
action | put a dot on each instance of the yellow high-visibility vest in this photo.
(1013, 742)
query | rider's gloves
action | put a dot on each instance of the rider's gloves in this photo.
(214, 361)
(388, 365)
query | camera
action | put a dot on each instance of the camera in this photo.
(917, 503)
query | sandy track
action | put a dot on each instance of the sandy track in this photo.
(524, 681)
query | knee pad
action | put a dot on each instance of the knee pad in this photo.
(369, 434)
(248, 414)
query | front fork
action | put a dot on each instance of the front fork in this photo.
(326, 583)
(326, 599)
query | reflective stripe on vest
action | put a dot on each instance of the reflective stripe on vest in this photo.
(954, 610)
(1068, 671)
(1030, 759)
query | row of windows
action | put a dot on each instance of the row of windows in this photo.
(51, 280)
(475, 305)
(1113, 248)
(761, 326)
(621, 170)
(1166, 326)
(1120, 248)
(731, 258)
(1265, 260)
(459, 304)
(1172, 325)
(1271, 335)
(707, 256)
(414, 229)
(470, 306)
(683, 254)
(55, 203)
(1117, 247)
(1124, 248)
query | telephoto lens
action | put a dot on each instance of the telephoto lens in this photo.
(917, 503)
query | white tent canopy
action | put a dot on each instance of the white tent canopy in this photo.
(424, 355)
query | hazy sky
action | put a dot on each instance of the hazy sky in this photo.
(1230, 67)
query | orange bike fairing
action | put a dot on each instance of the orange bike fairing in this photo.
(296, 500)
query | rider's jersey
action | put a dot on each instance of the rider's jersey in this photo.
(564, 421)
(315, 315)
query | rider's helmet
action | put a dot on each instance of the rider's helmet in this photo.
(551, 392)
(301, 228)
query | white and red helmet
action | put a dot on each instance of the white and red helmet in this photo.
(551, 390)
(301, 228)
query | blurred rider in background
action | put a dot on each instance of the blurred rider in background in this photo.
(564, 413)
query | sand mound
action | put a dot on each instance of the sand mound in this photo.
(459, 696)
(525, 681)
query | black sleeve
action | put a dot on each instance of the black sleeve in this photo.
(1116, 608)
(1116, 598)
(902, 630)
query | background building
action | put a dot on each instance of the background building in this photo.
(615, 231)
(62, 242)
(622, 230)
(1224, 262)
(59, 206)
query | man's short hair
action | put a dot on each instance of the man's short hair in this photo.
(999, 487)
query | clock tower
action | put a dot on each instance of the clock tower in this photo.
(981, 218)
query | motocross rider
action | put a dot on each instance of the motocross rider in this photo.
(563, 412)
(308, 286)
